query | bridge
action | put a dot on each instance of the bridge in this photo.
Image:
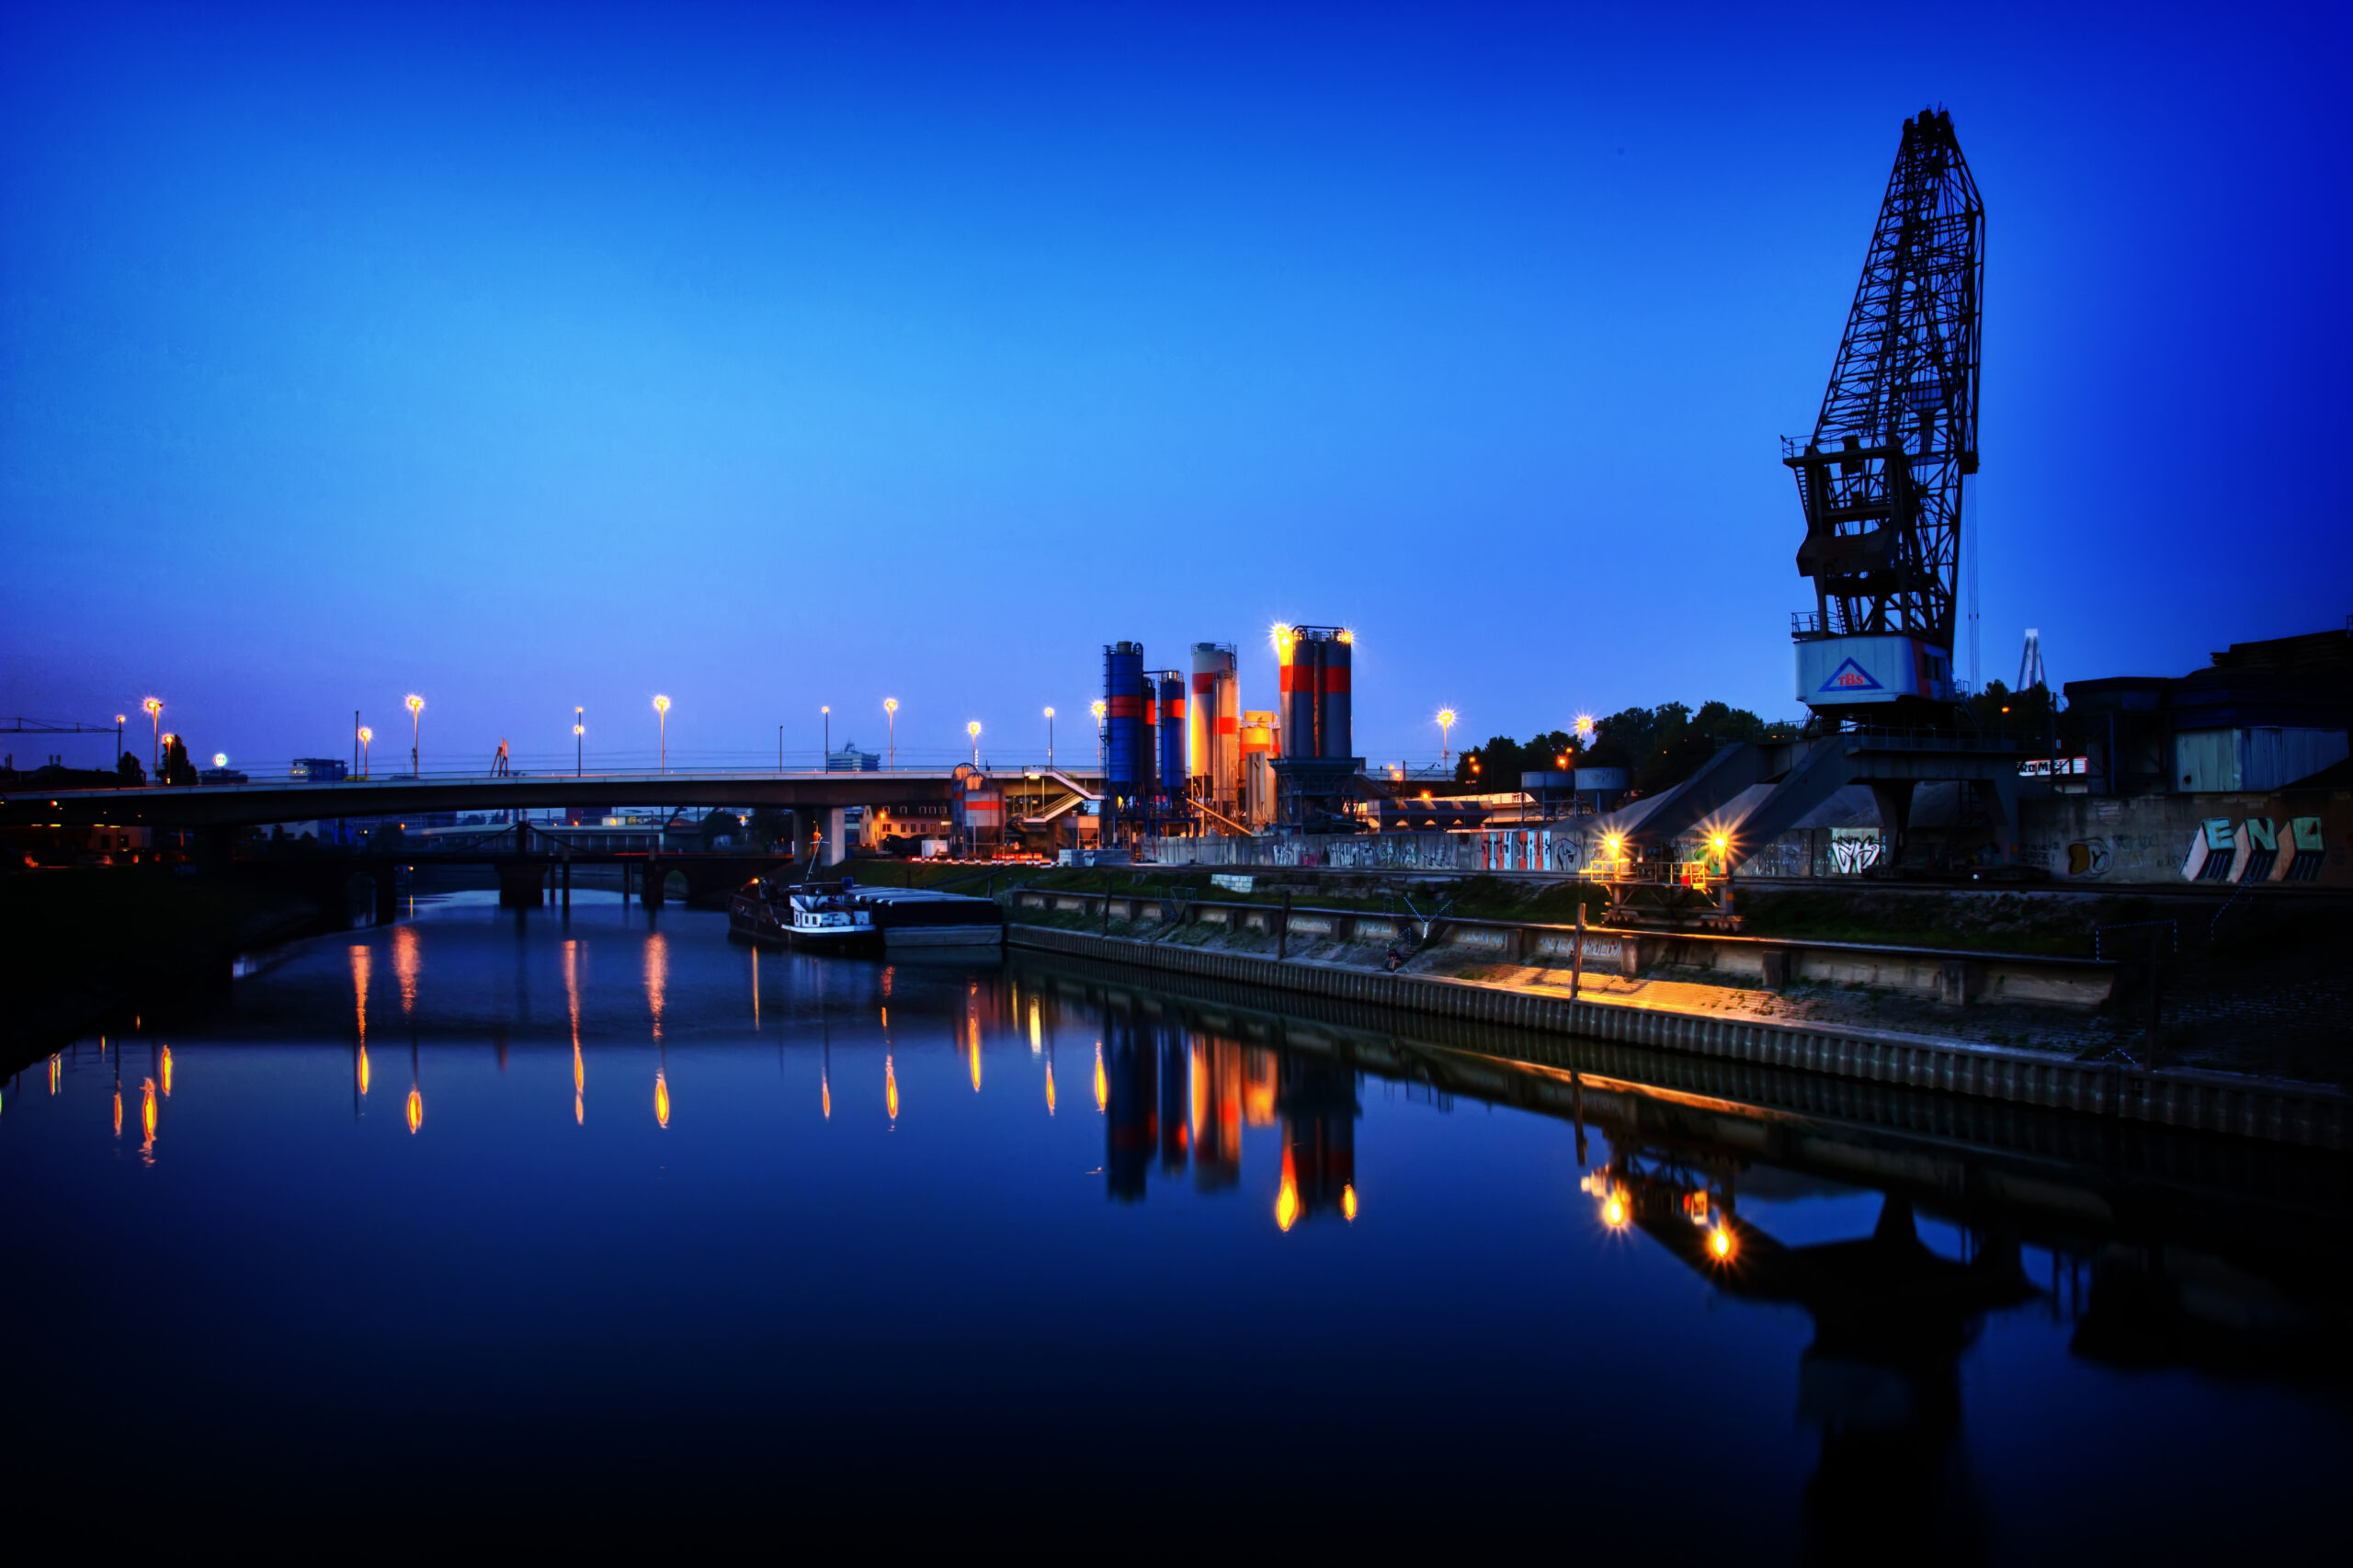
(217, 806)
(529, 861)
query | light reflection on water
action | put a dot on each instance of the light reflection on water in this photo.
(1278, 1242)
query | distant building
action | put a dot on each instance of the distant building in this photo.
(319, 769)
(849, 759)
(2262, 716)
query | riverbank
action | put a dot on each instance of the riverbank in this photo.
(82, 942)
(1646, 1010)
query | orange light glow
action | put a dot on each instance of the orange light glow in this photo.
(1037, 1037)
(164, 1067)
(1613, 1212)
(579, 1070)
(1721, 1242)
(658, 977)
(825, 1096)
(662, 1100)
(363, 959)
(891, 1087)
(1102, 1084)
(118, 1113)
(416, 1110)
(1286, 1196)
(362, 1071)
(1349, 1204)
(1050, 1088)
(976, 1059)
(147, 1109)
(406, 964)
(56, 1065)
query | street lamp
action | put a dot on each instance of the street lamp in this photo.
(365, 734)
(1445, 738)
(415, 727)
(662, 713)
(1099, 709)
(828, 711)
(973, 730)
(890, 716)
(579, 739)
(1050, 739)
(118, 740)
(154, 707)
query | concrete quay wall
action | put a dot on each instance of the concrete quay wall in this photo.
(2270, 1110)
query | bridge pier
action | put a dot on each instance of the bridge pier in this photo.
(649, 889)
(567, 884)
(521, 883)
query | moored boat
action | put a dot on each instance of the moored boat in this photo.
(842, 915)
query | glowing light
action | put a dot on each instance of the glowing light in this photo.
(1346, 636)
(1613, 1210)
(416, 1110)
(1035, 1036)
(1099, 708)
(579, 1070)
(1050, 1088)
(1282, 638)
(660, 1098)
(976, 1059)
(118, 1113)
(56, 1065)
(579, 1110)
(661, 705)
(406, 964)
(363, 960)
(147, 1109)
(1102, 1084)
(153, 706)
(220, 760)
(1287, 1195)
(658, 977)
(164, 1067)
(1721, 1242)
(362, 1071)
(891, 1087)
(1349, 1203)
(825, 1095)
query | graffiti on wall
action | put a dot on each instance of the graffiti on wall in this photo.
(2088, 857)
(2254, 850)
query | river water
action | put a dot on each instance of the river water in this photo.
(603, 1221)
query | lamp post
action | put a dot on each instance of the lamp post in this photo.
(662, 713)
(416, 729)
(780, 749)
(1445, 739)
(891, 718)
(1050, 739)
(973, 730)
(826, 711)
(154, 707)
(117, 742)
(1099, 709)
(365, 734)
(579, 739)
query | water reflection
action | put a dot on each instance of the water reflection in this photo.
(1222, 1120)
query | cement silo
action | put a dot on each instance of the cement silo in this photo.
(1214, 726)
(1173, 730)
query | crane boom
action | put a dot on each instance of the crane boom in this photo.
(1880, 477)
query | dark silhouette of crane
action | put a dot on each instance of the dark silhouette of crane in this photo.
(1880, 478)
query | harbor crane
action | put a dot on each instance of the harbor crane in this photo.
(1880, 478)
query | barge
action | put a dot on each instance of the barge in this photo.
(842, 916)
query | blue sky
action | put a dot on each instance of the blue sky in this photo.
(782, 356)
